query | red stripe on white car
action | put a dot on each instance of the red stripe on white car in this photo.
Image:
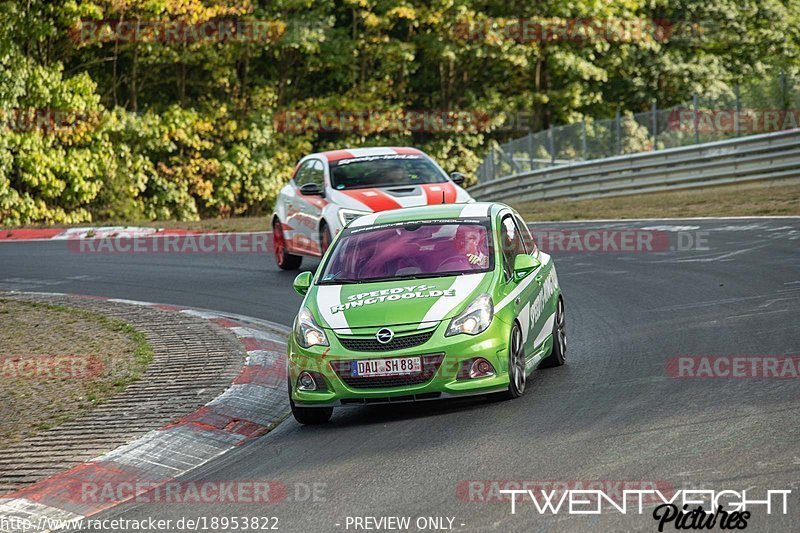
(337, 155)
(374, 199)
(301, 243)
(434, 191)
(282, 226)
(407, 151)
(316, 201)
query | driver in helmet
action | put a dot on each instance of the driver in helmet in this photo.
(395, 175)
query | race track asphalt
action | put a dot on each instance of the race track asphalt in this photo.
(612, 413)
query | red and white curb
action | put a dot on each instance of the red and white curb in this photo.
(135, 232)
(253, 405)
(106, 232)
(50, 234)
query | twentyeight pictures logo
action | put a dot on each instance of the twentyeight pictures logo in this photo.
(681, 508)
(633, 501)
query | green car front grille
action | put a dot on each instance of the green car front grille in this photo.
(399, 342)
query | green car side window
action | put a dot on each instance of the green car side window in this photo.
(511, 244)
(525, 233)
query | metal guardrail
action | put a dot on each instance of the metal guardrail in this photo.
(734, 109)
(771, 156)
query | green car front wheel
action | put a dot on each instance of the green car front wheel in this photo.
(309, 415)
(517, 374)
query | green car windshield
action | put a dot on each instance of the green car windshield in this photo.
(409, 251)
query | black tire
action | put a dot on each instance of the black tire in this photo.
(558, 354)
(517, 376)
(283, 258)
(309, 416)
(324, 237)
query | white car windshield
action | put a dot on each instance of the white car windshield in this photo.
(384, 171)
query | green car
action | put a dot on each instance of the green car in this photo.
(424, 303)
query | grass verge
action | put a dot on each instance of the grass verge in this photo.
(757, 200)
(57, 363)
(740, 201)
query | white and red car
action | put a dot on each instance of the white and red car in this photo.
(329, 189)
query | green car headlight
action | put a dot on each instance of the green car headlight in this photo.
(346, 216)
(307, 332)
(475, 318)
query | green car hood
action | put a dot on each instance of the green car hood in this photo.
(422, 302)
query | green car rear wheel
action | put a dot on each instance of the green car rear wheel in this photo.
(558, 355)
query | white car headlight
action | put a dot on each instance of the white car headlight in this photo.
(475, 318)
(348, 215)
(307, 332)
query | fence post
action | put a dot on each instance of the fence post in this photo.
(618, 127)
(583, 138)
(654, 111)
(783, 90)
(696, 105)
(530, 150)
(737, 119)
(550, 138)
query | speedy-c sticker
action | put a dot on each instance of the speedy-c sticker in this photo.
(392, 295)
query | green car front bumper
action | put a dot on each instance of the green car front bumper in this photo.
(443, 362)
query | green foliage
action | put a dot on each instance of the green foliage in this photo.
(167, 129)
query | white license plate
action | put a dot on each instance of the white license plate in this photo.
(386, 367)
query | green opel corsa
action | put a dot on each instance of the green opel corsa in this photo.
(424, 303)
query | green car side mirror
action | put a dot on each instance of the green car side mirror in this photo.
(302, 282)
(524, 264)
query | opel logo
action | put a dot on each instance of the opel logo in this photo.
(384, 335)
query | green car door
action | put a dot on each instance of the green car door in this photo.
(519, 293)
(544, 297)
